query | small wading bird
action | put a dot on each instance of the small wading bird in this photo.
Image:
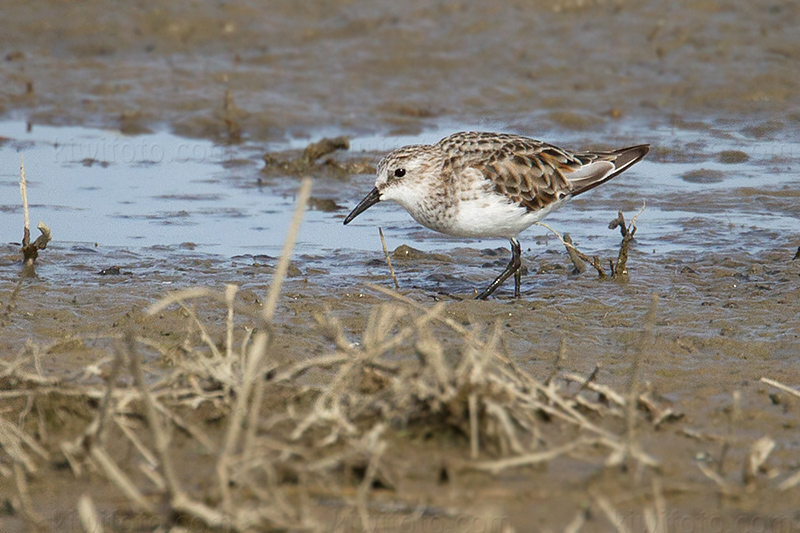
(490, 185)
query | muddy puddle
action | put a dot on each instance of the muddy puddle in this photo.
(165, 148)
(715, 191)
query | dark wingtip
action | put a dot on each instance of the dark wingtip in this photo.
(630, 155)
(623, 159)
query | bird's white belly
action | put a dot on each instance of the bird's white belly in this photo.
(494, 216)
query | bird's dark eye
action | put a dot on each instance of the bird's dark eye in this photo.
(399, 172)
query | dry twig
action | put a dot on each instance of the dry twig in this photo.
(30, 251)
(781, 386)
(288, 246)
(388, 259)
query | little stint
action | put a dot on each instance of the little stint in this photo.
(473, 184)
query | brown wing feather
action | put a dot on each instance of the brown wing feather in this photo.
(534, 178)
(532, 173)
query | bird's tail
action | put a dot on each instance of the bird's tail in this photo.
(599, 167)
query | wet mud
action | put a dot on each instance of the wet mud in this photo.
(713, 86)
(722, 324)
(243, 70)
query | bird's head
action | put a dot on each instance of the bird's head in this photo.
(401, 177)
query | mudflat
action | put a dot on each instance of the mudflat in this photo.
(165, 386)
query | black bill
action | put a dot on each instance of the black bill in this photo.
(371, 199)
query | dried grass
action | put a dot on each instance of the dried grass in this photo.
(476, 392)
(401, 373)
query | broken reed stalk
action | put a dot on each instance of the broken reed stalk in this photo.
(619, 222)
(388, 259)
(790, 482)
(659, 507)
(87, 511)
(253, 363)
(575, 256)
(115, 474)
(601, 274)
(619, 272)
(781, 386)
(378, 448)
(95, 433)
(32, 519)
(641, 210)
(13, 442)
(611, 513)
(723, 486)
(250, 375)
(578, 522)
(230, 294)
(160, 436)
(252, 419)
(288, 246)
(23, 189)
(567, 244)
(572, 250)
(474, 447)
(203, 331)
(759, 453)
(30, 251)
(527, 459)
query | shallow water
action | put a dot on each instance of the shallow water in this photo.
(99, 188)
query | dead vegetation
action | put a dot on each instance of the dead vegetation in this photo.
(618, 270)
(295, 163)
(30, 250)
(398, 375)
(284, 443)
(292, 445)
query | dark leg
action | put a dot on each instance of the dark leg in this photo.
(512, 268)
